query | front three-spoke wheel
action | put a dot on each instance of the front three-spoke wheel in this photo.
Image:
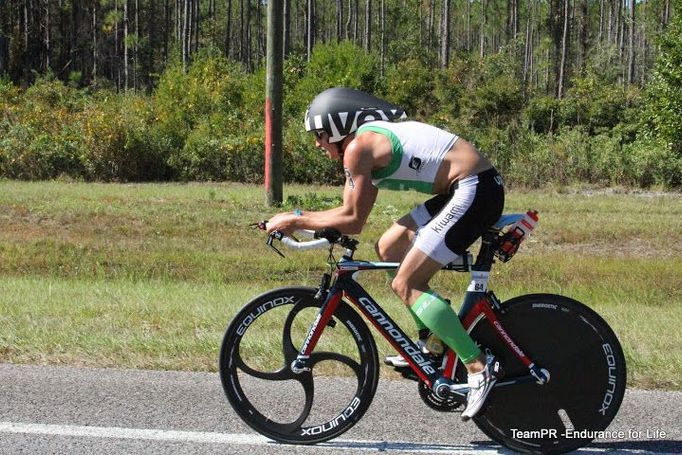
(303, 408)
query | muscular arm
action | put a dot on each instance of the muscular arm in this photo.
(358, 197)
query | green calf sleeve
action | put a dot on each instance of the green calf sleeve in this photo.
(438, 316)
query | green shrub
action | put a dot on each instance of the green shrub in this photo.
(211, 120)
(540, 114)
(213, 88)
(410, 84)
(596, 103)
(334, 64)
(303, 163)
(449, 90)
(653, 163)
(207, 123)
(611, 163)
(494, 97)
(205, 157)
(118, 141)
(531, 163)
(38, 137)
(663, 113)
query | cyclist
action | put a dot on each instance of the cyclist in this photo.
(359, 130)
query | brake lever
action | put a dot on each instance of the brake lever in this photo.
(260, 225)
(275, 235)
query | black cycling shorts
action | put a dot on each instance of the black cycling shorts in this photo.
(450, 223)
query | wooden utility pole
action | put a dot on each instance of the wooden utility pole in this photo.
(273, 103)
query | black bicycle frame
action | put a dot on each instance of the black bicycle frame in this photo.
(478, 303)
(345, 286)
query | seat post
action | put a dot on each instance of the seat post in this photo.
(486, 255)
(480, 271)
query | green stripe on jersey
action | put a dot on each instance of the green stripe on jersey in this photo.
(396, 150)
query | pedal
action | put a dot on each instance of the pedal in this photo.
(498, 371)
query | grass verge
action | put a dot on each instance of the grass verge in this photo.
(148, 276)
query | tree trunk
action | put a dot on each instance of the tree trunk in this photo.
(48, 43)
(512, 19)
(645, 45)
(136, 50)
(246, 33)
(196, 28)
(260, 44)
(528, 45)
(311, 29)
(94, 42)
(484, 22)
(601, 21)
(242, 32)
(368, 25)
(445, 35)
(4, 37)
(74, 48)
(584, 32)
(468, 38)
(125, 45)
(665, 17)
(631, 44)
(564, 52)
(383, 36)
(349, 19)
(431, 25)
(228, 29)
(339, 20)
(356, 20)
(621, 33)
(286, 45)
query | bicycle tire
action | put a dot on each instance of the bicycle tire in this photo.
(264, 391)
(587, 382)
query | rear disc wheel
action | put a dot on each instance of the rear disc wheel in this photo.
(587, 382)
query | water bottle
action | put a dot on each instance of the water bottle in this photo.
(431, 342)
(435, 345)
(513, 237)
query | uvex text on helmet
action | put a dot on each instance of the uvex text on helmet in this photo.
(340, 111)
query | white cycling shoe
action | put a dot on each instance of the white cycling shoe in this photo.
(480, 385)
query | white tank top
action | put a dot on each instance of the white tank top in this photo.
(417, 151)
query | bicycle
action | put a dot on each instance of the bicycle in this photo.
(565, 369)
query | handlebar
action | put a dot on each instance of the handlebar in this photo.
(298, 245)
(325, 238)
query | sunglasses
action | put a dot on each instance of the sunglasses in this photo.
(319, 133)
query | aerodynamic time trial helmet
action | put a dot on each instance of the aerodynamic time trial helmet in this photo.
(340, 111)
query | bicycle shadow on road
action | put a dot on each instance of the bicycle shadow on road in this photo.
(417, 447)
(623, 447)
(650, 446)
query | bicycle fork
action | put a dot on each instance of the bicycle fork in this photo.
(324, 318)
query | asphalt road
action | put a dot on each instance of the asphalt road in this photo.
(86, 411)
